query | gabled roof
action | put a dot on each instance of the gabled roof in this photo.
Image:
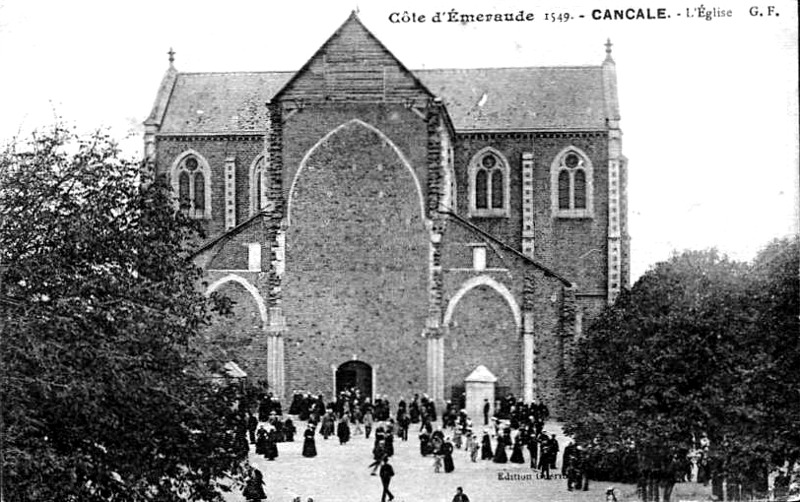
(482, 99)
(517, 99)
(207, 103)
(350, 49)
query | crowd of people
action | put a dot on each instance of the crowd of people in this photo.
(513, 428)
(510, 431)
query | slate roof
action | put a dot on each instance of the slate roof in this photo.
(203, 103)
(516, 99)
(484, 99)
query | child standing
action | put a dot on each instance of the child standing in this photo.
(474, 448)
(437, 463)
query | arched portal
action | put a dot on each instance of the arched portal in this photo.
(354, 375)
(357, 248)
(239, 337)
(483, 328)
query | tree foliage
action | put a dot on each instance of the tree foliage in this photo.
(774, 290)
(700, 347)
(104, 396)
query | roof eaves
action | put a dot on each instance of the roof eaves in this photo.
(230, 233)
(531, 130)
(248, 132)
(548, 271)
(268, 72)
(493, 68)
(350, 18)
(307, 64)
(163, 97)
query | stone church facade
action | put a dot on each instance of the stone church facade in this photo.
(393, 229)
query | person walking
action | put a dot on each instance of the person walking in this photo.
(460, 496)
(378, 455)
(386, 474)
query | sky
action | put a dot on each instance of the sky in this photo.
(709, 107)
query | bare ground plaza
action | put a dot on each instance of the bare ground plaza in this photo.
(340, 473)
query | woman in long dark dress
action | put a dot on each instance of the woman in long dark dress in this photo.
(252, 425)
(389, 439)
(486, 447)
(447, 451)
(327, 429)
(272, 445)
(516, 454)
(500, 456)
(309, 446)
(507, 437)
(343, 430)
(289, 430)
(261, 442)
(424, 443)
(254, 489)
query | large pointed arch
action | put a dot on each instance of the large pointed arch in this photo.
(262, 307)
(483, 280)
(338, 128)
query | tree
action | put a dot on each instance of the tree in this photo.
(774, 289)
(661, 368)
(104, 392)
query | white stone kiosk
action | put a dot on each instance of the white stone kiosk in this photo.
(479, 386)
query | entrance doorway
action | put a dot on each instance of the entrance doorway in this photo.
(354, 375)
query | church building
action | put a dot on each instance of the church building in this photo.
(393, 229)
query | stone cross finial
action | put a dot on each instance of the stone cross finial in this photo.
(171, 56)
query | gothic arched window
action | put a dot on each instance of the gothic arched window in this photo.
(258, 184)
(488, 174)
(571, 178)
(191, 179)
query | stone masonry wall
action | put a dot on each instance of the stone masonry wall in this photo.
(215, 150)
(240, 335)
(483, 331)
(483, 311)
(355, 285)
(575, 247)
(302, 130)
